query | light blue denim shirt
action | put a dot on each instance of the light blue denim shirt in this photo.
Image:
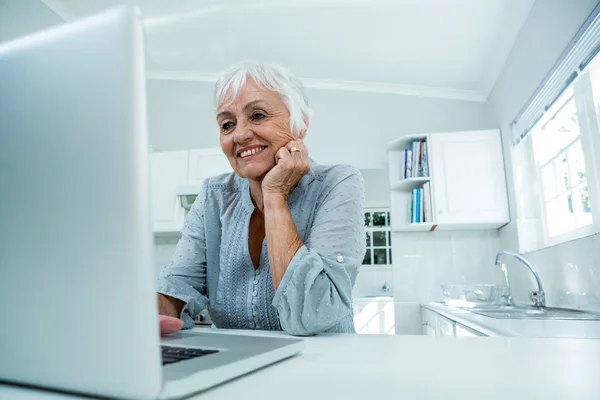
(212, 266)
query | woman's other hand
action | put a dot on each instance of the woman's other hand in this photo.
(169, 324)
(168, 310)
(291, 164)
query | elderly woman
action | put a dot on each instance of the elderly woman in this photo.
(276, 244)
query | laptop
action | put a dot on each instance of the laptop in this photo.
(78, 300)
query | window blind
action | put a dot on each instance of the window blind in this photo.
(578, 54)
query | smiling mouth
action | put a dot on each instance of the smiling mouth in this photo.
(251, 152)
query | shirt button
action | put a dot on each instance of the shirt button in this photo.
(256, 281)
(255, 293)
(255, 319)
(340, 259)
(257, 272)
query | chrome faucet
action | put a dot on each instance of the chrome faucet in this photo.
(537, 296)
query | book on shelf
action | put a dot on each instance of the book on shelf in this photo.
(420, 205)
(415, 163)
(428, 210)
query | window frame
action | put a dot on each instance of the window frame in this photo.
(587, 114)
(387, 228)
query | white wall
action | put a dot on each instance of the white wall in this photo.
(347, 128)
(377, 187)
(573, 267)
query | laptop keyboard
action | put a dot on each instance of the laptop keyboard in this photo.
(172, 355)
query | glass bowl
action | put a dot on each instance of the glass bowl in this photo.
(478, 295)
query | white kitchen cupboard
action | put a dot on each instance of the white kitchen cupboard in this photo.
(204, 163)
(466, 178)
(169, 170)
(428, 322)
(434, 324)
(180, 173)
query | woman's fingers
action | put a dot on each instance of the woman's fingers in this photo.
(169, 324)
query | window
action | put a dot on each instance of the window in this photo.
(563, 142)
(378, 237)
(556, 156)
(561, 163)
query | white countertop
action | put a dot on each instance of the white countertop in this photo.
(413, 367)
(535, 328)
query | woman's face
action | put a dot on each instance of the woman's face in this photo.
(253, 128)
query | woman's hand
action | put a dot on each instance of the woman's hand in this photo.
(291, 164)
(169, 324)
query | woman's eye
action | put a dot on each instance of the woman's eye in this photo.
(258, 116)
(227, 126)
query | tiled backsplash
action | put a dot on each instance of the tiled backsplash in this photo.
(570, 272)
(425, 260)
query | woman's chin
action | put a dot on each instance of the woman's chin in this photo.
(254, 171)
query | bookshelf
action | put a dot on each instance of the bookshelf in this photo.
(462, 182)
(410, 184)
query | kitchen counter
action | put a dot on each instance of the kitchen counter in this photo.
(345, 366)
(535, 328)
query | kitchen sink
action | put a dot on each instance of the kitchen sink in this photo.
(532, 312)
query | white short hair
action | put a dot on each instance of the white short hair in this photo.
(269, 77)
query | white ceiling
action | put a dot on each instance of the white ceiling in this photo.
(434, 48)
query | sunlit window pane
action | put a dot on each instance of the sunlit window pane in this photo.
(562, 167)
(576, 164)
(554, 135)
(581, 206)
(549, 181)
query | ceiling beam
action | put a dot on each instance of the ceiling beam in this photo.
(352, 86)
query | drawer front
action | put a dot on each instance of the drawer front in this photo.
(445, 327)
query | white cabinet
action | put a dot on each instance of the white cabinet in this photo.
(428, 322)
(374, 315)
(168, 172)
(469, 184)
(445, 327)
(434, 324)
(464, 172)
(204, 163)
(176, 173)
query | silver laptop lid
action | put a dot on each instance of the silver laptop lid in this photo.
(77, 283)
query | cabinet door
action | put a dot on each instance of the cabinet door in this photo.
(445, 327)
(428, 322)
(204, 163)
(468, 178)
(169, 170)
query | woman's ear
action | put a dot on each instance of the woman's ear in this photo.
(301, 134)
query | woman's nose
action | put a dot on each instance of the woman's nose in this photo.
(242, 133)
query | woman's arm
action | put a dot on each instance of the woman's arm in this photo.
(314, 279)
(283, 241)
(182, 285)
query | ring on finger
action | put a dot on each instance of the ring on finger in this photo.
(293, 149)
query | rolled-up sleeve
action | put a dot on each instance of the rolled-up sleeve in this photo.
(315, 293)
(185, 277)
